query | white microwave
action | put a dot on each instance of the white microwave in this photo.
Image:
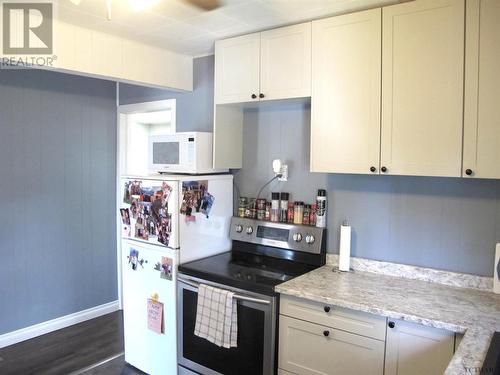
(189, 153)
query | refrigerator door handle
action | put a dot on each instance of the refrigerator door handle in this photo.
(237, 296)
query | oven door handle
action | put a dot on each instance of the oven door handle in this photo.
(237, 296)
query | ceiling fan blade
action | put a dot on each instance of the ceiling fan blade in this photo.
(205, 4)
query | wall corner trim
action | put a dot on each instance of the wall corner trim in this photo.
(39, 329)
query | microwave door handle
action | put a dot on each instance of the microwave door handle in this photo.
(237, 296)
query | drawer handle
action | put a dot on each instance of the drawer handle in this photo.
(392, 324)
(326, 333)
(327, 309)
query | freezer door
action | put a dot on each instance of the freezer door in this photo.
(152, 211)
(204, 235)
(143, 278)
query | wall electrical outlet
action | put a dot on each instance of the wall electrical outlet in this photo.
(284, 173)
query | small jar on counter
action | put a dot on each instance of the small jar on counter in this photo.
(307, 215)
(275, 207)
(242, 205)
(290, 212)
(298, 213)
(261, 209)
(284, 207)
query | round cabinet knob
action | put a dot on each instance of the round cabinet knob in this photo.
(468, 172)
(297, 237)
(383, 169)
(326, 333)
(373, 169)
(261, 95)
(254, 96)
(327, 309)
(238, 228)
(392, 324)
(310, 239)
(249, 230)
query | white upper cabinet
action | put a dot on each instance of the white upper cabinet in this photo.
(237, 69)
(285, 62)
(345, 122)
(482, 90)
(422, 88)
(413, 349)
(274, 64)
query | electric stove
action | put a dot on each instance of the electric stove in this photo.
(263, 255)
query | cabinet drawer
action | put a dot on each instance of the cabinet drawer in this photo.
(357, 322)
(313, 349)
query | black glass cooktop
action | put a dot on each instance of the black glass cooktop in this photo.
(256, 273)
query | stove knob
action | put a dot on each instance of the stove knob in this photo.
(238, 228)
(249, 230)
(297, 237)
(310, 239)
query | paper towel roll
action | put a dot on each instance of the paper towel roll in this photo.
(345, 247)
(496, 271)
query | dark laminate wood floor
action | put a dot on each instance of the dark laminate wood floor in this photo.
(68, 350)
(115, 367)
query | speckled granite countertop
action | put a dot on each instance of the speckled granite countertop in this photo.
(473, 312)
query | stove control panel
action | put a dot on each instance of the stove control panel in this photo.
(282, 235)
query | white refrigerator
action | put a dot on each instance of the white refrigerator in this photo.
(165, 220)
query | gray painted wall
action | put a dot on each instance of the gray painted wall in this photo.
(195, 110)
(445, 223)
(57, 168)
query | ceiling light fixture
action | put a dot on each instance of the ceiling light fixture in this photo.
(141, 5)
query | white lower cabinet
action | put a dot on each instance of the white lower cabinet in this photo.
(308, 348)
(413, 349)
(322, 339)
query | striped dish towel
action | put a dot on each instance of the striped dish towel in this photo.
(216, 316)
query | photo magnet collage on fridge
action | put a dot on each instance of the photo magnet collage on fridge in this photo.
(196, 198)
(149, 210)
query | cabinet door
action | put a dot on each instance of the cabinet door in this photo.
(422, 88)
(482, 90)
(237, 62)
(285, 62)
(345, 122)
(308, 348)
(413, 349)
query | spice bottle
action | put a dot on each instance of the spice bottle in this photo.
(261, 209)
(268, 211)
(307, 213)
(321, 206)
(298, 214)
(242, 205)
(312, 215)
(275, 207)
(284, 207)
(290, 212)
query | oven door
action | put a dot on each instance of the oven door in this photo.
(255, 352)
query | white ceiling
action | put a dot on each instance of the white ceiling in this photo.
(181, 27)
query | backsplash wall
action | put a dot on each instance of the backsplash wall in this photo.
(445, 223)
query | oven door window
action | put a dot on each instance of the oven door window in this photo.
(166, 153)
(247, 358)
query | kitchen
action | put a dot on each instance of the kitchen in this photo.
(401, 133)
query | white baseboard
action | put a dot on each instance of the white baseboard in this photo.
(39, 329)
